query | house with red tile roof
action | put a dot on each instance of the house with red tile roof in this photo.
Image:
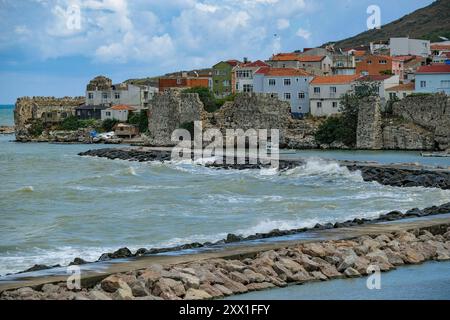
(433, 78)
(242, 75)
(317, 65)
(383, 82)
(398, 65)
(118, 112)
(325, 93)
(401, 91)
(374, 65)
(286, 84)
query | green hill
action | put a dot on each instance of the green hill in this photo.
(426, 23)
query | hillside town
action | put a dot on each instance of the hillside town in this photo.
(311, 82)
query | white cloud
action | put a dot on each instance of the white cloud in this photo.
(173, 32)
(283, 24)
(303, 33)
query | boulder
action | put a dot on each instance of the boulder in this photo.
(211, 290)
(113, 283)
(196, 294)
(168, 288)
(253, 277)
(259, 286)
(314, 250)
(351, 273)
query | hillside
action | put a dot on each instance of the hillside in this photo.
(426, 23)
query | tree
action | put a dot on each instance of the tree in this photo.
(140, 120)
(108, 124)
(343, 128)
(210, 103)
(70, 124)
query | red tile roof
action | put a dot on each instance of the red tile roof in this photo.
(403, 58)
(233, 63)
(403, 87)
(340, 79)
(282, 72)
(122, 107)
(257, 63)
(434, 68)
(380, 77)
(440, 47)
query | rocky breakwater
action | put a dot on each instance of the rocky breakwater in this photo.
(6, 130)
(401, 177)
(392, 175)
(36, 119)
(296, 264)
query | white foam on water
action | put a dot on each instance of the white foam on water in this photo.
(26, 189)
(323, 168)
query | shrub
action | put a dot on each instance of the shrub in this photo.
(189, 126)
(343, 128)
(140, 120)
(70, 124)
(210, 103)
(108, 124)
(36, 128)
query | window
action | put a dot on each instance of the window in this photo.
(178, 81)
(117, 95)
(333, 90)
(301, 95)
(316, 89)
(287, 82)
(445, 83)
(392, 95)
(105, 95)
(423, 84)
(369, 61)
(383, 62)
(365, 73)
(319, 104)
(90, 95)
(274, 95)
(404, 94)
(226, 83)
(287, 96)
(108, 113)
(244, 74)
(248, 88)
(272, 82)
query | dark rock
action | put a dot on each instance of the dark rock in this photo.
(78, 262)
(233, 238)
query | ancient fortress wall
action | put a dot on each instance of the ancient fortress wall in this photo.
(418, 122)
(45, 110)
(168, 111)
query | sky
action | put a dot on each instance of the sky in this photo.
(54, 47)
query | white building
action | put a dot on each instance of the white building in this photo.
(100, 92)
(243, 75)
(325, 93)
(119, 112)
(287, 84)
(401, 91)
(384, 83)
(410, 47)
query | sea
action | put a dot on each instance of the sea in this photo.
(56, 205)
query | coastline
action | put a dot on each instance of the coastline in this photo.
(329, 254)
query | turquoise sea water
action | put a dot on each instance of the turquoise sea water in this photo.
(56, 205)
(6, 115)
(430, 281)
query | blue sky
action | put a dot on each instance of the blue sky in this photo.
(46, 48)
